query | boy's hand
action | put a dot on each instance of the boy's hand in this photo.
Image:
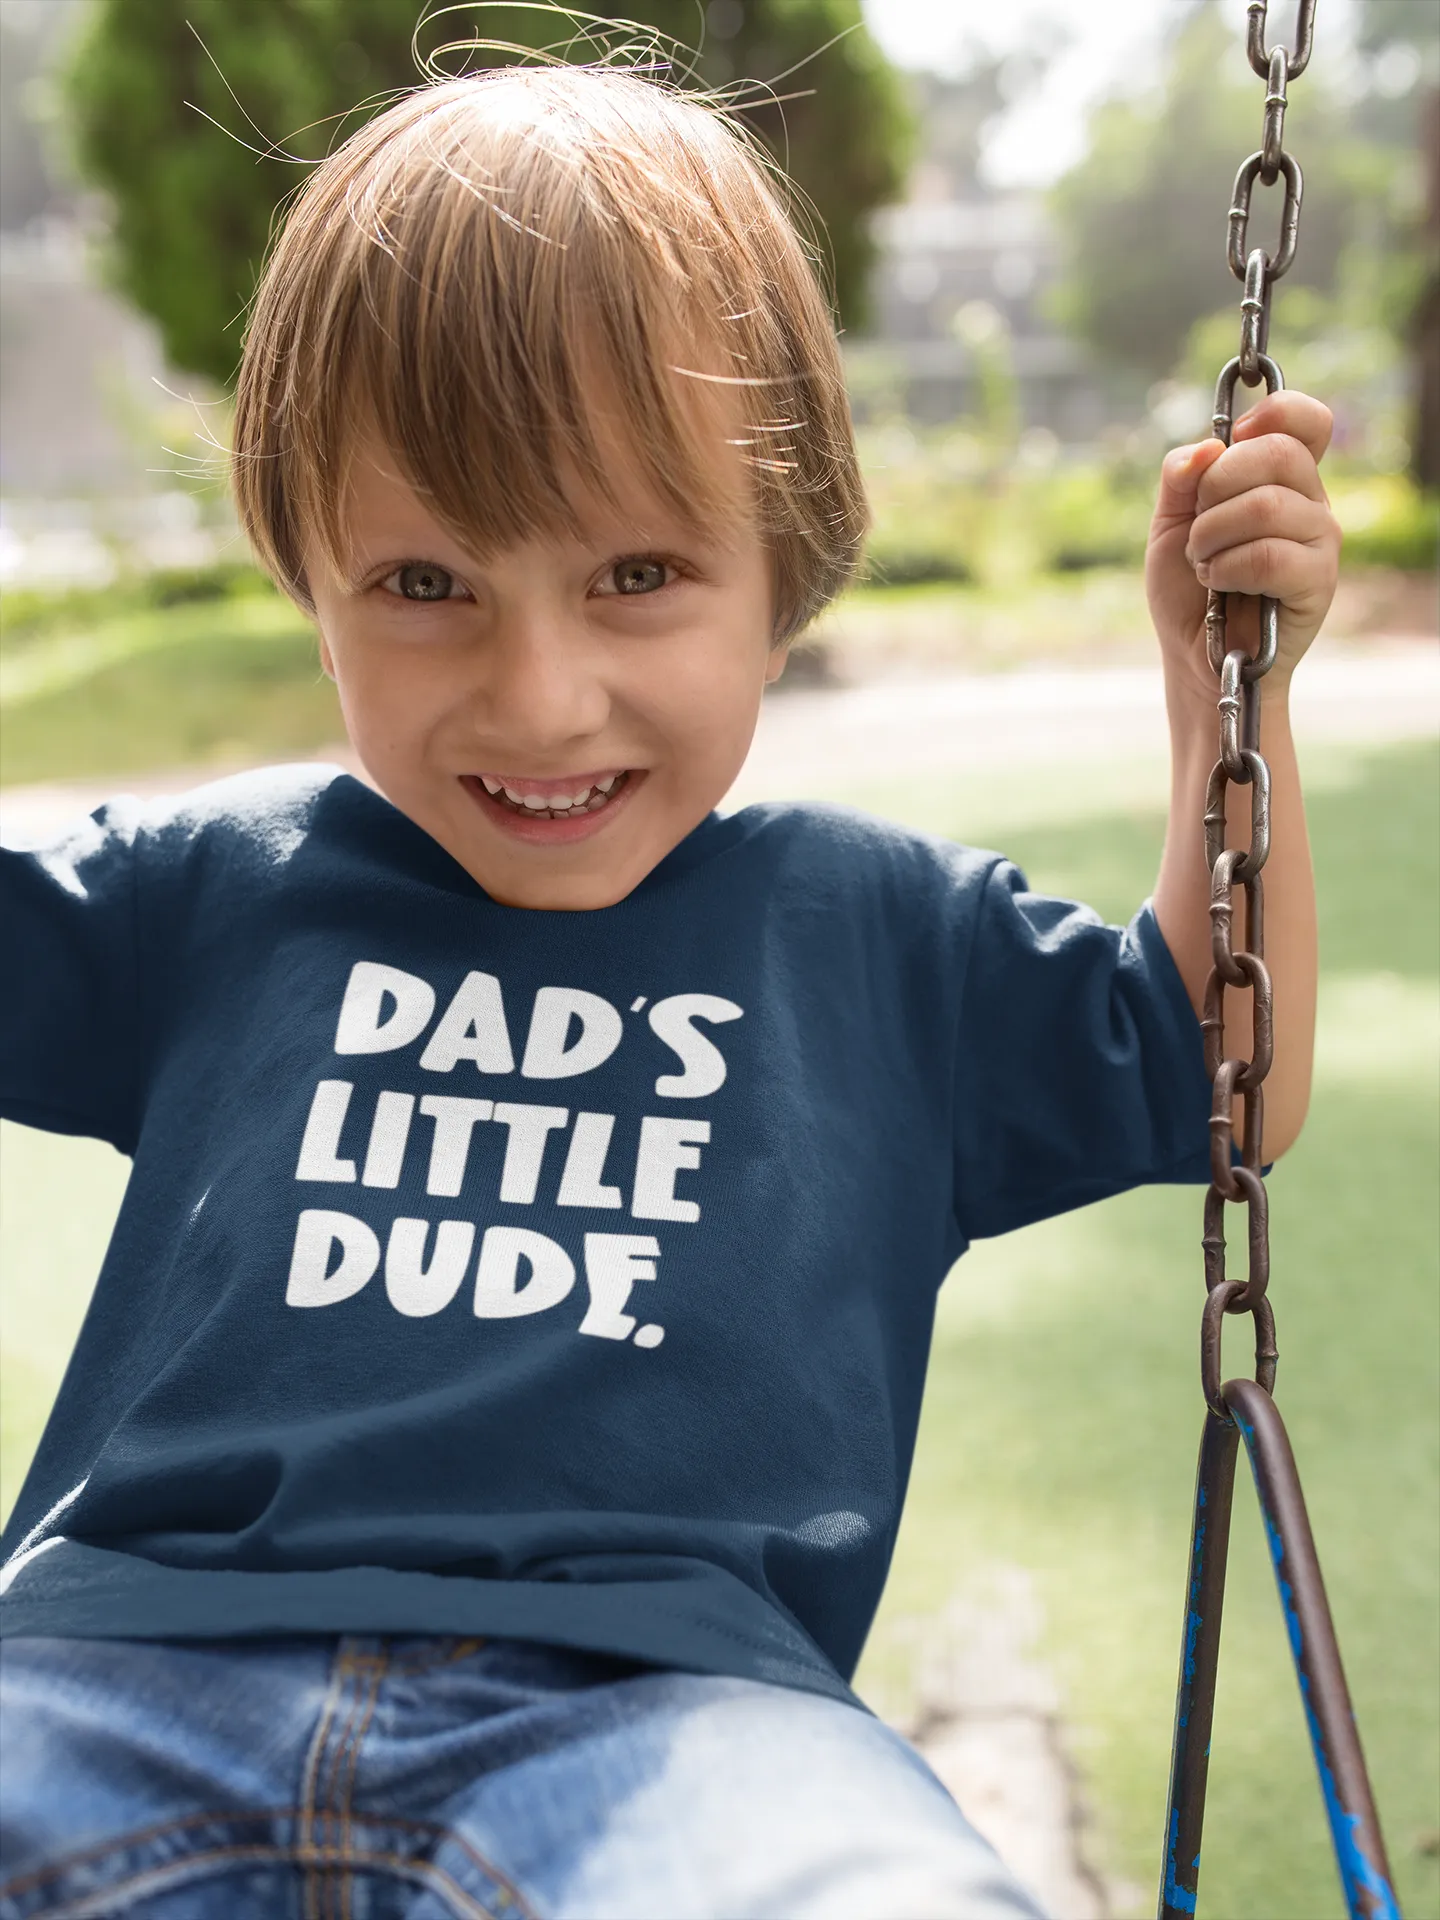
(1255, 519)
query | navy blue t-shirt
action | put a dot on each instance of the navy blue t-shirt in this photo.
(558, 1275)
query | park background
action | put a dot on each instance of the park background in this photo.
(1026, 215)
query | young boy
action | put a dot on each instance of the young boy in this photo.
(480, 1464)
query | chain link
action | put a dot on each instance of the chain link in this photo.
(1260, 54)
(1238, 232)
(1238, 1179)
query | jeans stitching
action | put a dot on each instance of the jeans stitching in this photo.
(344, 1794)
(310, 1778)
(300, 1852)
(37, 1875)
(331, 1874)
(426, 1871)
(311, 1770)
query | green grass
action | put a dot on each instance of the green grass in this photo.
(1063, 1409)
(58, 1198)
(202, 683)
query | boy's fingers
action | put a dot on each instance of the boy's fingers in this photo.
(1286, 570)
(1181, 472)
(1267, 460)
(1268, 512)
(1278, 442)
(1308, 421)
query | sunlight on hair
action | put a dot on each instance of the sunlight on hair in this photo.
(501, 257)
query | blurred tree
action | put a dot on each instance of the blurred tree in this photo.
(1425, 318)
(1402, 103)
(28, 191)
(193, 207)
(1141, 218)
(1399, 48)
(1383, 22)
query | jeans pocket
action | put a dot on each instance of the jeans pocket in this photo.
(206, 1855)
(272, 1865)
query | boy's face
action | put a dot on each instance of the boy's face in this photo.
(562, 715)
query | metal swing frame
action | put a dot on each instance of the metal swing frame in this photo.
(1344, 1784)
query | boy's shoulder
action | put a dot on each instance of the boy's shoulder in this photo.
(843, 847)
(270, 811)
(257, 819)
(250, 805)
(245, 827)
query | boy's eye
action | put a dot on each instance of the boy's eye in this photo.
(636, 574)
(423, 580)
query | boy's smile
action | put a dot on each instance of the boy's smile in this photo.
(551, 812)
(561, 714)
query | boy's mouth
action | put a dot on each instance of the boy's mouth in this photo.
(553, 799)
(565, 808)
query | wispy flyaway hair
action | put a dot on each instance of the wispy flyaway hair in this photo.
(491, 260)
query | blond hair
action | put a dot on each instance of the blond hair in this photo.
(464, 272)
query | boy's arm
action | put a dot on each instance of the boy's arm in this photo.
(1254, 519)
(70, 1020)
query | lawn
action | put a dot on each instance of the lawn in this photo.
(214, 682)
(1063, 1409)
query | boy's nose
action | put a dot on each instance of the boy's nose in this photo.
(540, 690)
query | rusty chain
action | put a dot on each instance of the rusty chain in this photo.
(1241, 762)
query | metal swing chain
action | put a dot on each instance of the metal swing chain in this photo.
(1243, 1408)
(1241, 761)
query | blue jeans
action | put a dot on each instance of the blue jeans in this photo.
(368, 1779)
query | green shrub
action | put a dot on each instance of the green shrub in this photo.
(1083, 517)
(1388, 522)
(927, 527)
(931, 524)
(927, 492)
(29, 613)
(227, 580)
(901, 561)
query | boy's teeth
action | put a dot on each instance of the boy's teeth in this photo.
(587, 800)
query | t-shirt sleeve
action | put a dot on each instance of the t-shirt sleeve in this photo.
(70, 1019)
(1080, 1063)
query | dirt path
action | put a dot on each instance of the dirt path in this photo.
(893, 729)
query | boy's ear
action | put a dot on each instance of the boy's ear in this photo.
(775, 665)
(327, 661)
